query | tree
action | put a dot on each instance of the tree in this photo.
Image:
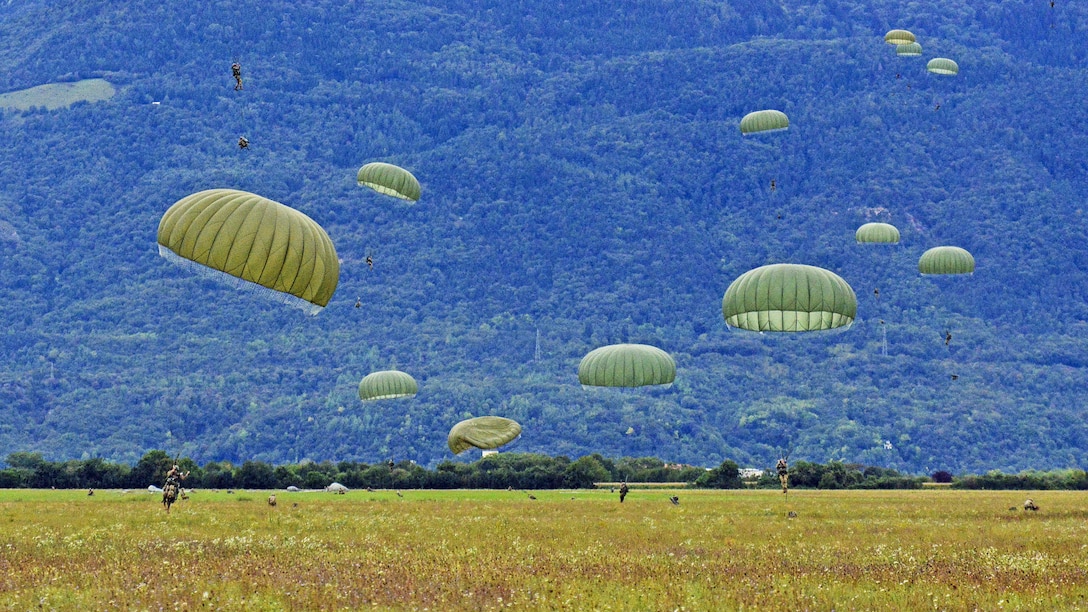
(256, 475)
(150, 469)
(942, 476)
(583, 473)
(725, 476)
(30, 461)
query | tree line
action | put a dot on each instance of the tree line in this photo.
(500, 471)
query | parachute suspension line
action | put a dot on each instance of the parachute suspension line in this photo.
(880, 319)
(240, 283)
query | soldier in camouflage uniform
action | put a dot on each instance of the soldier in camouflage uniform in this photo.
(236, 70)
(172, 487)
(783, 474)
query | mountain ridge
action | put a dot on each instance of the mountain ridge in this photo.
(584, 180)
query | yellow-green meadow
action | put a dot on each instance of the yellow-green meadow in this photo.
(566, 550)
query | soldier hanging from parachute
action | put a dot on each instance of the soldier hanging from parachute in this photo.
(236, 70)
(783, 474)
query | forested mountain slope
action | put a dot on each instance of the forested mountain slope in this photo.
(584, 183)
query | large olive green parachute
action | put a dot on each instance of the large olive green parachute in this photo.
(764, 121)
(789, 298)
(626, 365)
(908, 50)
(484, 432)
(946, 260)
(899, 37)
(387, 384)
(390, 180)
(943, 65)
(254, 243)
(884, 233)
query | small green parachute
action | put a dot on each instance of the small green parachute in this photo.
(764, 121)
(387, 384)
(908, 50)
(878, 233)
(943, 66)
(253, 243)
(486, 432)
(389, 180)
(626, 365)
(899, 37)
(789, 298)
(946, 260)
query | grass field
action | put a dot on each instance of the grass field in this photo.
(566, 550)
(58, 95)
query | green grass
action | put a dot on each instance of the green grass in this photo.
(58, 95)
(573, 550)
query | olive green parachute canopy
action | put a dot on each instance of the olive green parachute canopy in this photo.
(884, 233)
(484, 432)
(946, 260)
(898, 37)
(390, 180)
(764, 121)
(626, 365)
(387, 384)
(943, 65)
(789, 298)
(253, 243)
(908, 50)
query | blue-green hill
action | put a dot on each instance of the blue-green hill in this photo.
(584, 183)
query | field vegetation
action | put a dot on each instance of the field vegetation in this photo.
(572, 550)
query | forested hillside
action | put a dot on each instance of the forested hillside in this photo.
(584, 183)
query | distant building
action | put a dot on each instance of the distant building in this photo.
(750, 473)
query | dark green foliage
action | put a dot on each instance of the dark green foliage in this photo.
(725, 476)
(1060, 479)
(520, 471)
(583, 473)
(584, 183)
(150, 469)
(941, 476)
(256, 475)
(838, 475)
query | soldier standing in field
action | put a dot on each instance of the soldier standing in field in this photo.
(172, 487)
(623, 491)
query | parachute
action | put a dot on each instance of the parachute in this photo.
(789, 298)
(387, 384)
(943, 66)
(946, 260)
(880, 233)
(764, 121)
(486, 432)
(254, 243)
(899, 37)
(908, 50)
(390, 180)
(626, 365)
